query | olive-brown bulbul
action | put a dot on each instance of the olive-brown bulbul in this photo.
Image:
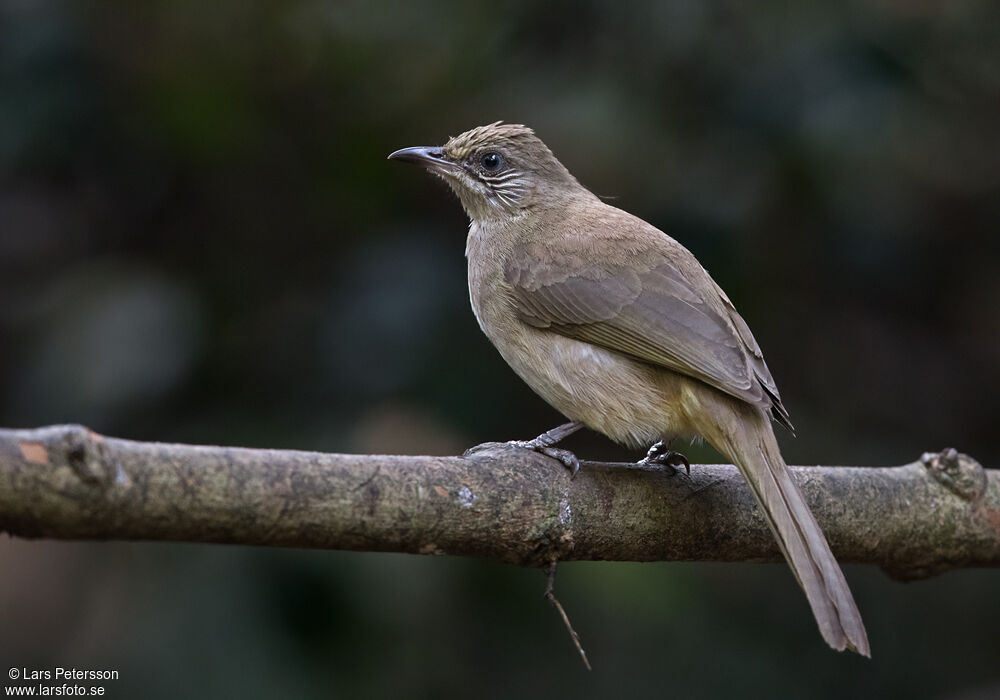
(619, 327)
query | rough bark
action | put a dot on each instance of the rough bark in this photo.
(938, 513)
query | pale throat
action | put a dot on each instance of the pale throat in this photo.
(482, 205)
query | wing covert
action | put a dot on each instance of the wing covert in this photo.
(655, 314)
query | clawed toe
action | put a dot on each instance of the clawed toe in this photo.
(543, 444)
(676, 460)
(567, 458)
(661, 454)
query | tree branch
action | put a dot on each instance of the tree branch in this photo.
(939, 513)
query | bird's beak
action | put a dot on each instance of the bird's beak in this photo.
(430, 157)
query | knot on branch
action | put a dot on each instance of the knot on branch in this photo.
(81, 450)
(72, 446)
(957, 472)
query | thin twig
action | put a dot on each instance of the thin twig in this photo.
(550, 585)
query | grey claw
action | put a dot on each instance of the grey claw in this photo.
(569, 460)
(661, 454)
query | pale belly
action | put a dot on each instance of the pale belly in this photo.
(631, 402)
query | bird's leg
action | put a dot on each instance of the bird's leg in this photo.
(544, 445)
(660, 453)
(551, 437)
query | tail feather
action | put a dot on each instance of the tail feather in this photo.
(749, 442)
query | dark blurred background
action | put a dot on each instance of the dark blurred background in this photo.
(201, 241)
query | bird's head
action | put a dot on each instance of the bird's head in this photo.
(498, 171)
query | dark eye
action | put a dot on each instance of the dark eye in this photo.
(491, 161)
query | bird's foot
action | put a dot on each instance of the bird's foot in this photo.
(543, 444)
(568, 459)
(661, 454)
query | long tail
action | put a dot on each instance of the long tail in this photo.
(748, 440)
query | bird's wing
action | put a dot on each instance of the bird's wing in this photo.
(655, 313)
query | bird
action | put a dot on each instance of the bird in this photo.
(620, 328)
